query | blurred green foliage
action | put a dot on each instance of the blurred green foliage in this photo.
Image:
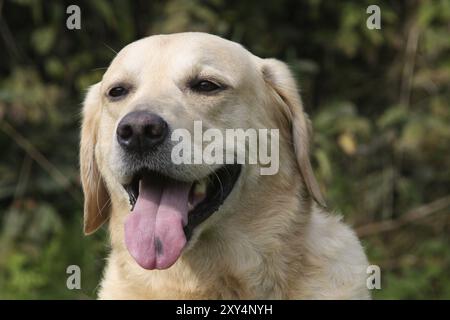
(379, 101)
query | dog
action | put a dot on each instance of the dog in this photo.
(208, 231)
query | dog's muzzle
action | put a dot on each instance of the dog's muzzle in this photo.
(164, 209)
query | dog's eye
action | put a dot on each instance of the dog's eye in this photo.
(117, 92)
(205, 86)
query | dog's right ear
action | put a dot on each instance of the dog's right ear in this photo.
(96, 197)
(280, 79)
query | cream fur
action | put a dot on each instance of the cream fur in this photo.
(270, 239)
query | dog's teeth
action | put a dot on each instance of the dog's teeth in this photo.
(200, 188)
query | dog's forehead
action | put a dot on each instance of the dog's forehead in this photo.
(182, 51)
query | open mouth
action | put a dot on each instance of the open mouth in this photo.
(166, 211)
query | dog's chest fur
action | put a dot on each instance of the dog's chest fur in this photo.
(291, 256)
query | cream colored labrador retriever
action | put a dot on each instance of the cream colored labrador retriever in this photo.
(207, 231)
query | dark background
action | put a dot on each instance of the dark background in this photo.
(379, 101)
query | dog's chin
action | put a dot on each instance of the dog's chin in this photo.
(205, 195)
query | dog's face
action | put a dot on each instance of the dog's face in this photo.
(155, 88)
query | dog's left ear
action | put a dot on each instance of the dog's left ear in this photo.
(96, 198)
(278, 76)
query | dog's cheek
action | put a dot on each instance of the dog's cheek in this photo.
(104, 143)
(105, 152)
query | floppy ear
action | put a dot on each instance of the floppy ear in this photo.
(278, 76)
(96, 197)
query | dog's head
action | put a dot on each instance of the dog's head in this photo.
(151, 96)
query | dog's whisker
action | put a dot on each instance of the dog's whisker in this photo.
(110, 48)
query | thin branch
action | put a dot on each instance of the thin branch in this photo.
(37, 156)
(13, 49)
(409, 217)
(408, 67)
(23, 177)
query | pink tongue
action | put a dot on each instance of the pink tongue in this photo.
(154, 232)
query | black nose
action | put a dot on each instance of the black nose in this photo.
(141, 131)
